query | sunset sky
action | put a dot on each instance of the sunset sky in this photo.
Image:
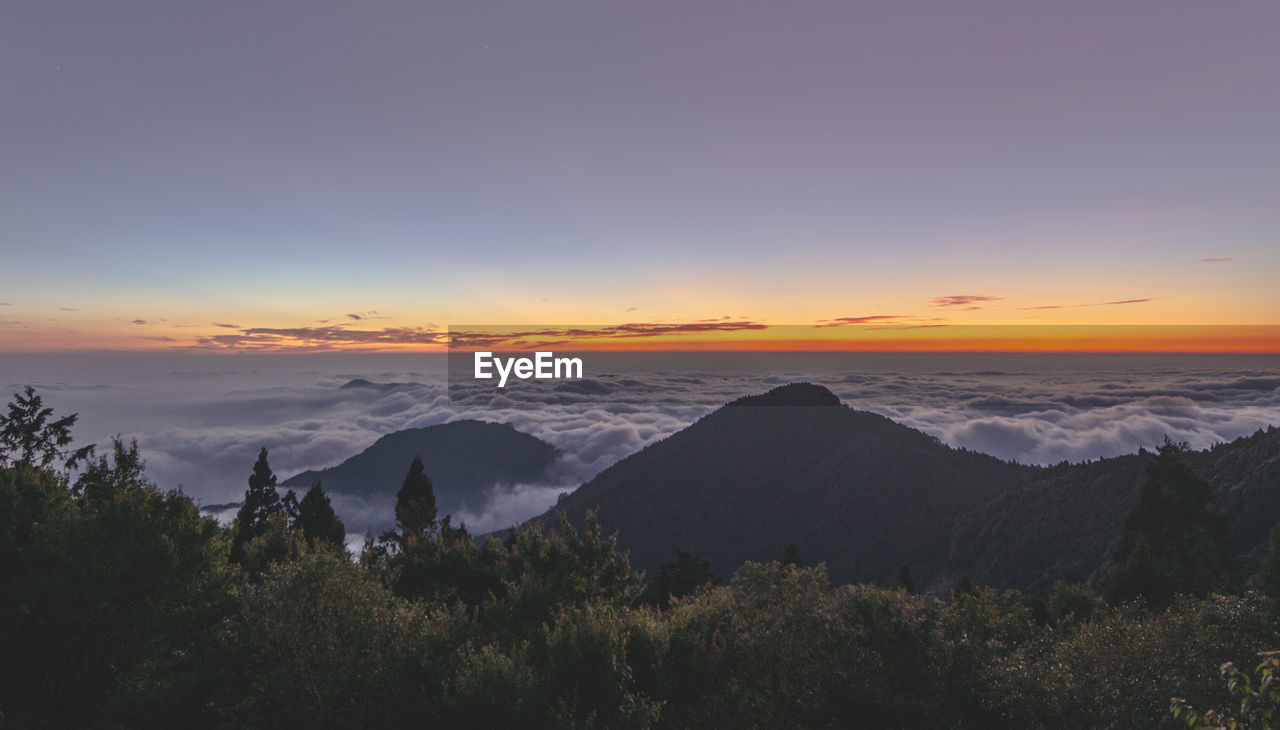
(329, 175)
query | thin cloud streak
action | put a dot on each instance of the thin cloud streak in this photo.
(963, 300)
(1094, 304)
(319, 338)
(868, 319)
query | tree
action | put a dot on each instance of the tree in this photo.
(791, 556)
(548, 570)
(905, 581)
(1268, 577)
(677, 579)
(101, 479)
(28, 437)
(320, 643)
(1173, 540)
(317, 520)
(260, 502)
(1259, 704)
(117, 589)
(415, 503)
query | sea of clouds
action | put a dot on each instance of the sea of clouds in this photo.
(200, 419)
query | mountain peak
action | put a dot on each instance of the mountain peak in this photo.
(361, 383)
(849, 488)
(793, 394)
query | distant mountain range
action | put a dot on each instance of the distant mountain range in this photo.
(796, 467)
(464, 459)
(867, 496)
(362, 384)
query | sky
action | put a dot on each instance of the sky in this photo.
(334, 175)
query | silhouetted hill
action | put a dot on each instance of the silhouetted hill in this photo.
(362, 384)
(795, 467)
(463, 459)
(866, 495)
(1064, 523)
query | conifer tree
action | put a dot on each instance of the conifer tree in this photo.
(27, 436)
(260, 502)
(415, 503)
(317, 520)
(1173, 541)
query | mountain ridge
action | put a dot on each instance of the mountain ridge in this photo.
(464, 459)
(868, 495)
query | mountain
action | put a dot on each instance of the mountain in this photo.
(794, 466)
(464, 459)
(867, 495)
(362, 384)
(1063, 523)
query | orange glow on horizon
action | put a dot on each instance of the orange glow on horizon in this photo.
(752, 337)
(1241, 339)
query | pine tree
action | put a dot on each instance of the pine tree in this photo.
(1173, 540)
(415, 504)
(317, 520)
(28, 437)
(260, 502)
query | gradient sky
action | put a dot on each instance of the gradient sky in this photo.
(366, 173)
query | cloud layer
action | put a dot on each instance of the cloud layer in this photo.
(201, 421)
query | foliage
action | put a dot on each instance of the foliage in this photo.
(415, 504)
(318, 643)
(1072, 603)
(115, 590)
(28, 437)
(1268, 576)
(678, 578)
(317, 520)
(1120, 668)
(261, 502)
(277, 543)
(1258, 704)
(1173, 541)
